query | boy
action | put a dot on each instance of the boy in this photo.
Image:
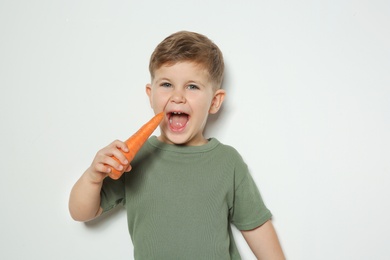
(183, 190)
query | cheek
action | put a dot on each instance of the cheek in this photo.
(207, 101)
(202, 106)
(159, 99)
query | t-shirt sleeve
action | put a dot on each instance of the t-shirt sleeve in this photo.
(112, 193)
(249, 210)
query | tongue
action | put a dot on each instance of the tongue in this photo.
(178, 121)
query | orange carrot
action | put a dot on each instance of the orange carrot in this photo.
(135, 142)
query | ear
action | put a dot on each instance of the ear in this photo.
(149, 92)
(217, 101)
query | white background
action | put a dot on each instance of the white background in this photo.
(308, 107)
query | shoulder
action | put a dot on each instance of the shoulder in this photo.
(228, 150)
(236, 162)
(223, 146)
(228, 156)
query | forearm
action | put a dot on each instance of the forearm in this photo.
(84, 200)
(264, 242)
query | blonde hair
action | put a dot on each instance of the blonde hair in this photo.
(189, 46)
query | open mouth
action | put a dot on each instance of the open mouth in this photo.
(177, 120)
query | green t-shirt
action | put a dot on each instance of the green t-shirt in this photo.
(180, 200)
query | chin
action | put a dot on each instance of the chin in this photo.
(177, 139)
(188, 141)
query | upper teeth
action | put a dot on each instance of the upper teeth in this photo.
(177, 113)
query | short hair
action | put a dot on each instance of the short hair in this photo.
(193, 47)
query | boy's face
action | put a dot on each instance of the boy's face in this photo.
(186, 95)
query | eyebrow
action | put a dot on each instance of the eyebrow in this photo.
(164, 78)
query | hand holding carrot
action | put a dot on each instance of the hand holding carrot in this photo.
(134, 143)
(108, 158)
(84, 200)
(112, 160)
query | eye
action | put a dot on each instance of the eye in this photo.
(166, 84)
(192, 87)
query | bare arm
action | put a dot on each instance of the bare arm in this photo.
(264, 242)
(84, 200)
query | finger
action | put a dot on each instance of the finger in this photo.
(128, 168)
(112, 162)
(103, 168)
(118, 154)
(121, 145)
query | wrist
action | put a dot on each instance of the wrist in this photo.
(93, 177)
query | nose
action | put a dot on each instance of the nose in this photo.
(178, 96)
